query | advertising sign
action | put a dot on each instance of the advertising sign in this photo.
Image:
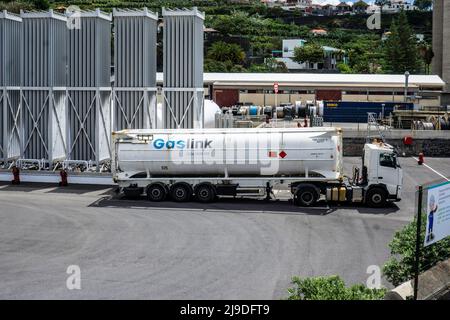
(438, 213)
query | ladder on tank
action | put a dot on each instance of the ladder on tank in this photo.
(372, 122)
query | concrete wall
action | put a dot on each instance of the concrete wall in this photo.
(431, 143)
(269, 99)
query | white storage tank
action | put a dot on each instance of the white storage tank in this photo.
(311, 152)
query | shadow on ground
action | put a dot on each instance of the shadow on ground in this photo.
(240, 204)
(54, 188)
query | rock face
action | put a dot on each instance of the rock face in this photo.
(432, 143)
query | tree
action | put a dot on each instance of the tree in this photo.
(344, 68)
(401, 53)
(399, 268)
(427, 54)
(310, 52)
(272, 65)
(222, 51)
(331, 288)
(423, 4)
(41, 4)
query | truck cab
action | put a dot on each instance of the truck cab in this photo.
(383, 174)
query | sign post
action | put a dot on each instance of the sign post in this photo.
(275, 90)
(418, 242)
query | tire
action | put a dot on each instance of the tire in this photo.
(306, 196)
(376, 198)
(181, 192)
(156, 192)
(205, 193)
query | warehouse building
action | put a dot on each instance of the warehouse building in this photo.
(228, 89)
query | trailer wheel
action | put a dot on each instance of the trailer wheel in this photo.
(306, 196)
(181, 192)
(205, 193)
(156, 192)
(376, 198)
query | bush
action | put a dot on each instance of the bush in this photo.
(331, 288)
(400, 267)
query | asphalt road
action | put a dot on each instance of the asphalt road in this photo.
(232, 249)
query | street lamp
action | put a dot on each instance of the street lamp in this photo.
(406, 85)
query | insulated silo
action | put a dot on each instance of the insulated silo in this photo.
(183, 68)
(43, 80)
(134, 89)
(89, 86)
(10, 66)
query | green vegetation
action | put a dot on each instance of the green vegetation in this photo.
(399, 268)
(401, 50)
(331, 288)
(310, 52)
(259, 30)
(423, 4)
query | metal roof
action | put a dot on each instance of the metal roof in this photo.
(319, 79)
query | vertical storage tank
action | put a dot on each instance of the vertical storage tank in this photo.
(89, 86)
(10, 68)
(43, 75)
(134, 68)
(183, 68)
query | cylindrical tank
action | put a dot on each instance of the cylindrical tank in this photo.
(253, 110)
(280, 112)
(312, 152)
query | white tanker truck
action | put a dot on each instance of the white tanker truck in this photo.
(187, 164)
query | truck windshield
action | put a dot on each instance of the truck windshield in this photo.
(388, 160)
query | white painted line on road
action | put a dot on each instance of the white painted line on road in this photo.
(44, 190)
(437, 172)
(96, 193)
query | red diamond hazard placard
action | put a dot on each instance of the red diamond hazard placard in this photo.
(282, 154)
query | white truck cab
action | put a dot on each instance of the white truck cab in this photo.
(382, 171)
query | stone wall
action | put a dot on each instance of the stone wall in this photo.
(432, 143)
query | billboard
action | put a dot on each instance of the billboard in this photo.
(438, 213)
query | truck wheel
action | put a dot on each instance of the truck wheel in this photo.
(306, 196)
(156, 192)
(205, 193)
(181, 192)
(376, 198)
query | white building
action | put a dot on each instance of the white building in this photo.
(394, 6)
(332, 57)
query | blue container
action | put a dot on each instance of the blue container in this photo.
(253, 110)
(354, 111)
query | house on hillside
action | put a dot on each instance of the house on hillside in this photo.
(360, 7)
(332, 57)
(343, 8)
(319, 32)
(394, 6)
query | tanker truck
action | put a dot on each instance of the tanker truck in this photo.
(206, 164)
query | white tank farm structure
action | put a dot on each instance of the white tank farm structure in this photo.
(204, 164)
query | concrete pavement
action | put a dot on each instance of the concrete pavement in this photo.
(231, 249)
